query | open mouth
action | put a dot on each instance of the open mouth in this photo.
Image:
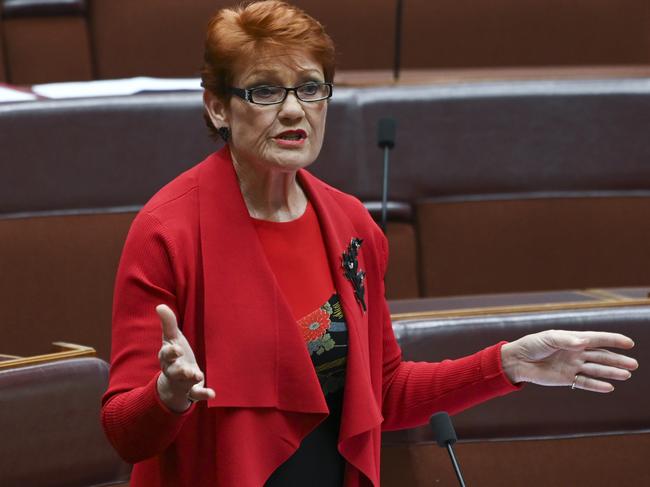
(292, 135)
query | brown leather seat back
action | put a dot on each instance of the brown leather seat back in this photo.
(363, 31)
(535, 411)
(97, 153)
(51, 434)
(452, 33)
(530, 243)
(538, 436)
(57, 279)
(46, 41)
(150, 37)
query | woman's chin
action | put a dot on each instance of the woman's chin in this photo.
(292, 159)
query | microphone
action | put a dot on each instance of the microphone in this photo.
(386, 141)
(445, 435)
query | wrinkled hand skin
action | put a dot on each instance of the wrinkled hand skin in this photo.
(181, 377)
(556, 357)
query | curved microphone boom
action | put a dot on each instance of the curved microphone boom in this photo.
(445, 435)
(386, 141)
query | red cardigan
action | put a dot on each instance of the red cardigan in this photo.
(194, 248)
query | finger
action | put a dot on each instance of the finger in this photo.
(198, 393)
(579, 340)
(606, 357)
(604, 372)
(602, 339)
(168, 322)
(593, 385)
(184, 373)
(169, 353)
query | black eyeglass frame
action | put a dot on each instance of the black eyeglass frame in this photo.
(247, 93)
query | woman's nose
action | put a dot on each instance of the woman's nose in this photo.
(291, 107)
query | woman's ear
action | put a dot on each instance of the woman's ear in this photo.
(215, 109)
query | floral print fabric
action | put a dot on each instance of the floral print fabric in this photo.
(326, 336)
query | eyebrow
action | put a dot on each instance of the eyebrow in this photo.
(257, 76)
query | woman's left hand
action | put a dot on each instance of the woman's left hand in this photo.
(569, 358)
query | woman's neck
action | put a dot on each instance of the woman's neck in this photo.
(270, 194)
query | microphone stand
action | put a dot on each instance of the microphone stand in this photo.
(385, 141)
(445, 436)
(459, 475)
(384, 191)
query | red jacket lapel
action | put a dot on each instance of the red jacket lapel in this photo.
(255, 356)
(361, 409)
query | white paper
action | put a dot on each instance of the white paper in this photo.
(9, 95)
(115, 87)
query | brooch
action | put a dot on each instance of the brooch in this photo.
(352, 272)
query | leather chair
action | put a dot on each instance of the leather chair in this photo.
(538, 436)
(453, 34)
(51, 434)
(46, 41)
(150, 37)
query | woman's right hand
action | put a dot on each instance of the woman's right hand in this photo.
(181, 381)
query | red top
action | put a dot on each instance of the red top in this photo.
(296, 253)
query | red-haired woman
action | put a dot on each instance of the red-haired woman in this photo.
(278, 365)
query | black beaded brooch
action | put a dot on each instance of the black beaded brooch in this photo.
(352, 272)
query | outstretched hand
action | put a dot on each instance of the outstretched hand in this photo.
(182, 381)
(569, 358)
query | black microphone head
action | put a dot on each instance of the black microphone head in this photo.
(443, 430)
(386, 133)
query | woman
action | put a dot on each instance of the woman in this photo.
(278, 364)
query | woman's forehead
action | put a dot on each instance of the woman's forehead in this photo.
(278, 65)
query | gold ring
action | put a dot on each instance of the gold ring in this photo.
(573, 384)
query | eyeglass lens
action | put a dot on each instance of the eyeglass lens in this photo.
(276, 94)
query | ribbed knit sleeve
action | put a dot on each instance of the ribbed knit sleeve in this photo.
(414, 391)
(136, 422)
(420, 389)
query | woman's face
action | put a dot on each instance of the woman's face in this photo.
(286, 136)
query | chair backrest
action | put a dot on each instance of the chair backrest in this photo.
(535, 412)
(46, 41)
(462, 33)
(538, 436)
(150, 37)
(51, 432)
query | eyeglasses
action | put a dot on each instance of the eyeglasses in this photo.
(273, 95)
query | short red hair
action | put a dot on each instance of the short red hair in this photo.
(240, 33)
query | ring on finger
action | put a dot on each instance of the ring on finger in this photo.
(573, 384)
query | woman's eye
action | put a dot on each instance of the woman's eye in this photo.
(309, 89)
(265, 92)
